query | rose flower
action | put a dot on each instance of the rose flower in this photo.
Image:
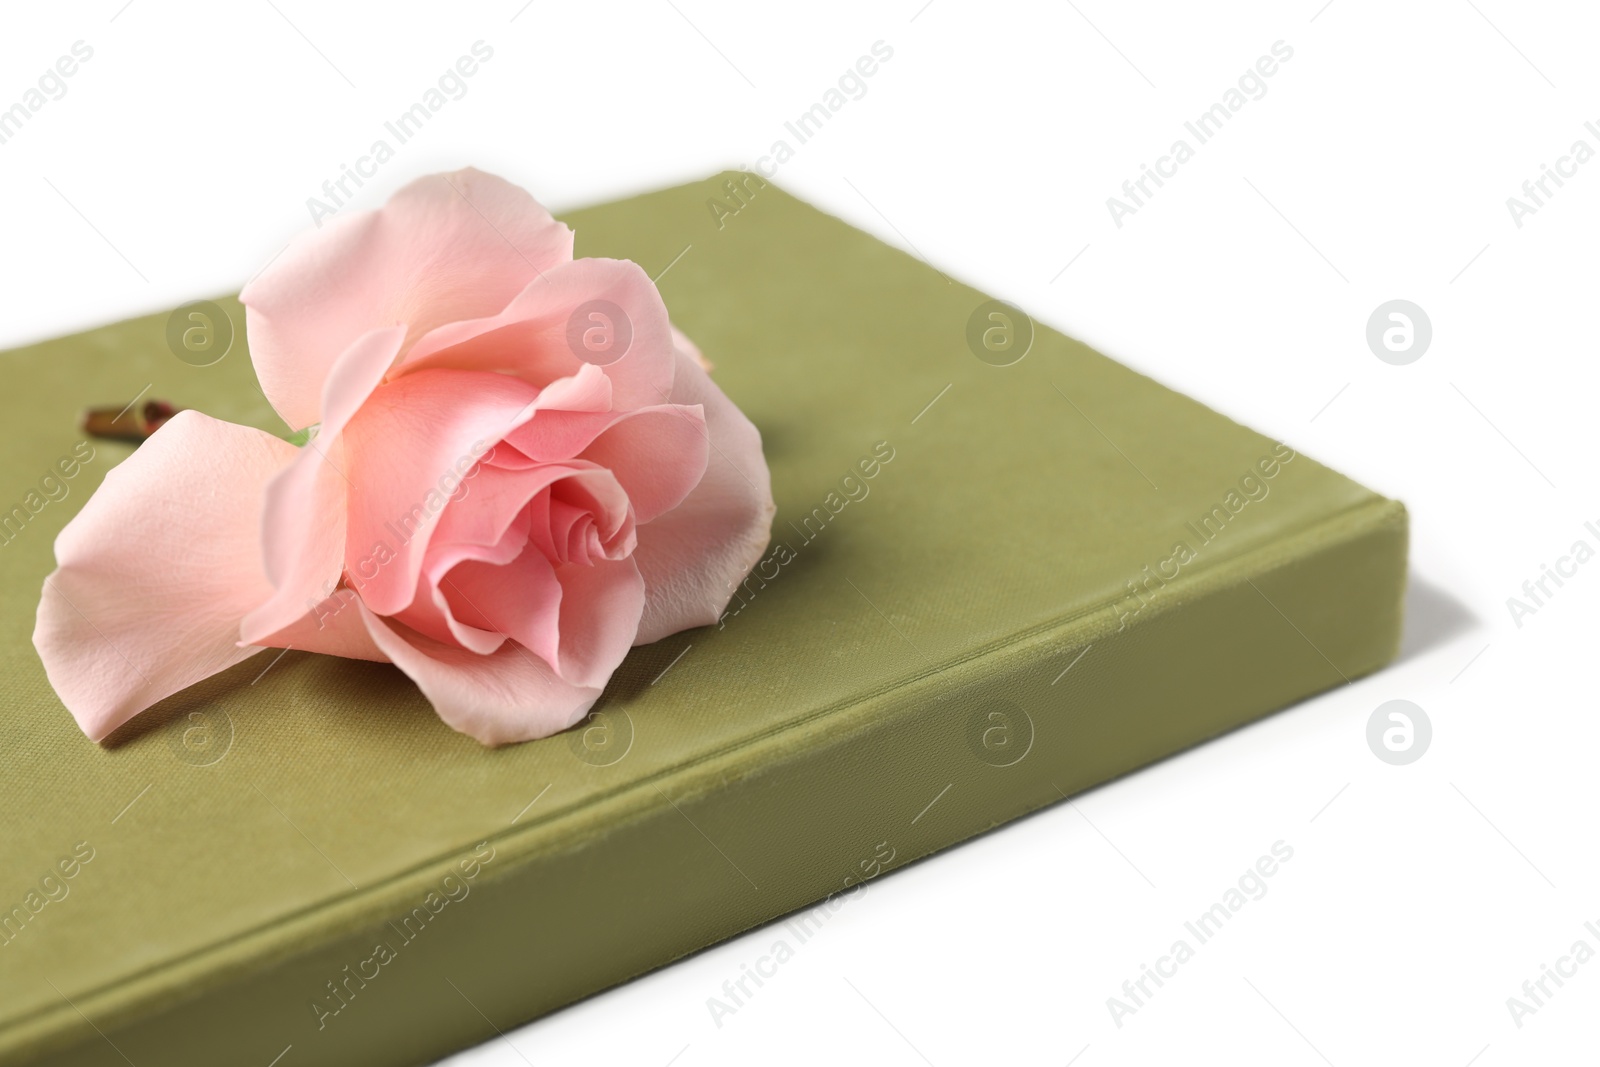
(518, 470)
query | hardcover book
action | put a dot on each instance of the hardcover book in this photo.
(1004, 569)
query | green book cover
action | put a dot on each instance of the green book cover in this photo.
(1004, 569)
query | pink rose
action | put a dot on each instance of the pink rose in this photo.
(520, 471)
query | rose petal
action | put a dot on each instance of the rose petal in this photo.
(658, 455)
(444, 248)
(693, 556)
(521, 599)
(681, 342)
(431, 614)
(408, 447)
(529, 338)
(588, 517)
(491, 502)
(476, 534)
(601, 606)
(303, 527)
(332, 627)
(511, 695)
(157, 570)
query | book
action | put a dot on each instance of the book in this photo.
(1004, 569)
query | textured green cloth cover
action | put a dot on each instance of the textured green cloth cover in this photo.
(914, 641)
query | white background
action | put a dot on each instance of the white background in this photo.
(1377, 166)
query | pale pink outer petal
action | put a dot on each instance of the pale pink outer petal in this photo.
(682, 343)
(511, 695)
(333, 628)
(693, 556)
(157, 570)
(444, 248)
(303, 520)
(529, 337)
